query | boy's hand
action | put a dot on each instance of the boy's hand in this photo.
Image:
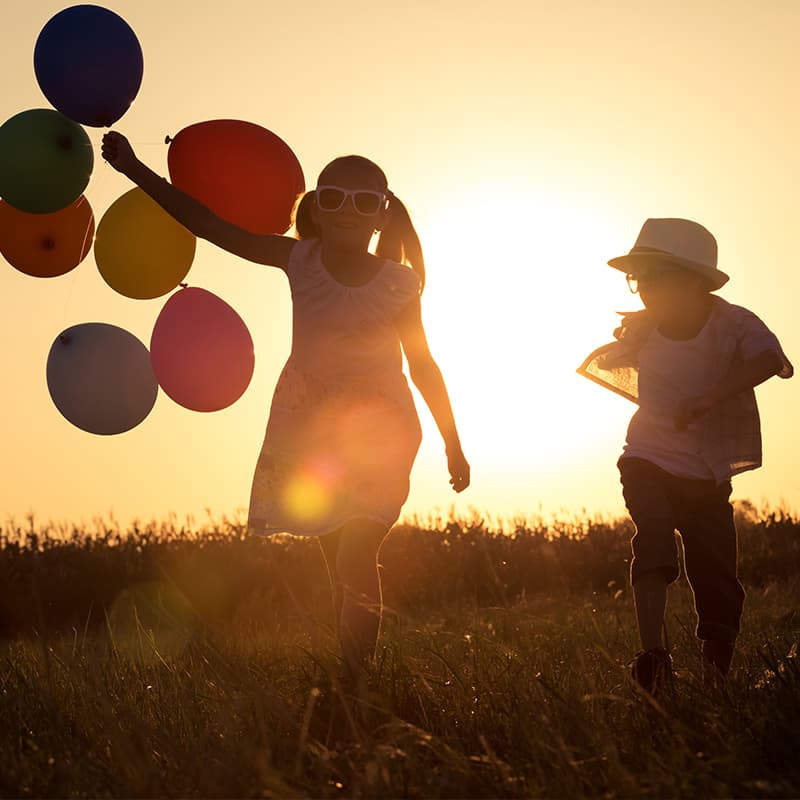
(691, 409)
(118, 152)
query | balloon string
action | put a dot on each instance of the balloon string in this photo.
(68, 295)
(86, 245)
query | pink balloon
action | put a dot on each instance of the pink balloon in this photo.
(201, 351)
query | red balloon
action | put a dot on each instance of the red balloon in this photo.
(201, 351)
(241, 171)
(46, 245)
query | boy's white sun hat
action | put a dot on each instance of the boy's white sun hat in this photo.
(675, 241)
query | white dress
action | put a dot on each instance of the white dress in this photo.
(343, 431)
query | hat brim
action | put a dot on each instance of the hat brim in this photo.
(633, 262)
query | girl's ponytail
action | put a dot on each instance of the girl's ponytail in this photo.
(303, 221)
(399, 241)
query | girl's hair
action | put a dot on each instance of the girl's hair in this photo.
(398, 241)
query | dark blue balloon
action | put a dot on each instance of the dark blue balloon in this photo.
(89, 64)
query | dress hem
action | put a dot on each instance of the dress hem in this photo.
(328, 529)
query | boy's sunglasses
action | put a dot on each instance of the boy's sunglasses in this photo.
(366, 202)
(649, 277)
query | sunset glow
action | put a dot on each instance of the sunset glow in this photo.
(529, 144)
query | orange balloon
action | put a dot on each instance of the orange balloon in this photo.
(242, 172)
(46, 245)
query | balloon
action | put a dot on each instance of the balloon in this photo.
(241, 171)
(100, 378)
(201, 350)
(46, 245)
(45, 161)
(89, 64)
(140, 250)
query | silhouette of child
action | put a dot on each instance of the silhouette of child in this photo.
(343, 431)
(690, 360)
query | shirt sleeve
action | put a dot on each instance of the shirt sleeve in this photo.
(753, 338)
(300, 252)
(399, 286)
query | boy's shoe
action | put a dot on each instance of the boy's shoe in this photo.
(717, 657)
(652, 670)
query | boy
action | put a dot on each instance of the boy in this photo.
(690, 360)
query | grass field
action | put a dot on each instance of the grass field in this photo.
(160, 662)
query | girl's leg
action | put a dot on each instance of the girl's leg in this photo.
(361, 599)
(329, 545)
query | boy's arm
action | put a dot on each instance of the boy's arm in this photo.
(743, 376)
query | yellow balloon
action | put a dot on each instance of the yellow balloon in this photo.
(140, 250)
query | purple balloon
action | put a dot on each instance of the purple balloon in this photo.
(89, 64)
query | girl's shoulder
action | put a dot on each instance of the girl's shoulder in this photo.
(302, 250)
(301, 264)
(399, 277)
(393, 289)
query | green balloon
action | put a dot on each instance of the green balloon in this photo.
(46, 161)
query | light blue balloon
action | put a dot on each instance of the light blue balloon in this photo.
(100, 378)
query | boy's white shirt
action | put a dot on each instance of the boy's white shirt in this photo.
(657, 373)
(669, 373)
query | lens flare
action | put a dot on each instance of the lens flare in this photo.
(309, 495)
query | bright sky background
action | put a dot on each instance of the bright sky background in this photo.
(530, 140)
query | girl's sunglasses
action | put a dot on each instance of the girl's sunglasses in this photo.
(366, 202)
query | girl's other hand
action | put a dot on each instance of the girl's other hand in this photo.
(116, 149)
(459, 471)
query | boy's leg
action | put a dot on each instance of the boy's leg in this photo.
(710, 555)
(717, 656)
(650, 602)
(646, 489)
(647, 493)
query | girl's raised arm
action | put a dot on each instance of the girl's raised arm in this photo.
(193, 215)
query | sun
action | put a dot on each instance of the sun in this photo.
(518, 293)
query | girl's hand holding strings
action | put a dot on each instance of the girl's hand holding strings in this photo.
(117, 151)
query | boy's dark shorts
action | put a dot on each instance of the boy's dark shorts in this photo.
(659, 504)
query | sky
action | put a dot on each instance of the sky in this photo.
(529, 140)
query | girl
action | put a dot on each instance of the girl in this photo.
(343, 432)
